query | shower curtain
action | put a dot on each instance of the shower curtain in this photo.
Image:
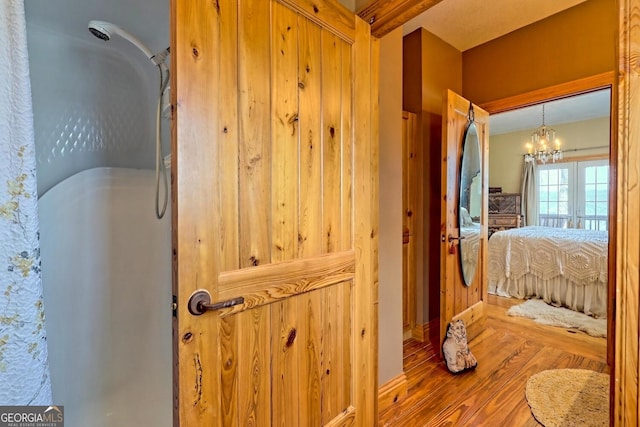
(24, 373)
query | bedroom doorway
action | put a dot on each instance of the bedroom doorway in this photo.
(509, 349)
(583, 199)
(625, 155)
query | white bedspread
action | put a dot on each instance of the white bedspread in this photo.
(562, 266)
(469, 249)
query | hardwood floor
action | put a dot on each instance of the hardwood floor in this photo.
(509, 351)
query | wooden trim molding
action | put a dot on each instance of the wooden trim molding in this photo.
(267, 283)
(385, 16)
(418, 332)
(624, 387)
(474, 318)
(423, 332)
(329, 14)
(392, 391)
(562, 90)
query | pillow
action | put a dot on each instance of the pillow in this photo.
(456, 351)
(466, 218)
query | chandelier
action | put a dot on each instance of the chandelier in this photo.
(539, 148)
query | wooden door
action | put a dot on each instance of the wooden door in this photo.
(273, 183)
(409, 209)
(457, 300)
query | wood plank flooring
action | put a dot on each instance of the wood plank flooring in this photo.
(509, 351)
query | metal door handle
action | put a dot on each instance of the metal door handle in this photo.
(200, 303)
(451, 238)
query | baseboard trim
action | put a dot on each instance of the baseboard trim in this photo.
(422, 332)
(392, 391)
(417, 333)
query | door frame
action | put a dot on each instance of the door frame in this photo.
(410, 224)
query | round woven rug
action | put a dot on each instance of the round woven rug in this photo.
(569, 397)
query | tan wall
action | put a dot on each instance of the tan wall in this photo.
(430, 66)
(390, 252)
(359, 4)
(349, 4)
(506, 150)
(573, 44)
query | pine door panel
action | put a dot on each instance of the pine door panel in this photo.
(457, 300)
(310, 96)
(273, 184)
(254, 125)
(253, 371)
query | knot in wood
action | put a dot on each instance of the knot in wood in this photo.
(292, 337)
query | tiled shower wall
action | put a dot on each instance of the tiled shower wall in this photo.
(94, 103)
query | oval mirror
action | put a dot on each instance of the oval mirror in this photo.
(470, 203)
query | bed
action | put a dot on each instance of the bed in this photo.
(565, 267)
(469, 250)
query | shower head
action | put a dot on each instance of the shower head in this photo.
(105, 30)
(99, 33)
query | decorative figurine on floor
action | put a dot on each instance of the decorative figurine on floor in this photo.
(456, 351)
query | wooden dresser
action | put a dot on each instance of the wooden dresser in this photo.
(504, 211)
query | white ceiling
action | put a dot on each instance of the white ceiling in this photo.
(468, 23)
(567, 110)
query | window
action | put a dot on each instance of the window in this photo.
(574, 194)
(555, 195)
(593, 199)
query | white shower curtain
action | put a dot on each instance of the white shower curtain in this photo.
(24, 373)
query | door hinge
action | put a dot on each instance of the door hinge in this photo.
(174, 306)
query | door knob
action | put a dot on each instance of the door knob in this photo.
(452, 238)
(200, 303)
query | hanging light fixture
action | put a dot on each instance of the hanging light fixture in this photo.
(539, 149)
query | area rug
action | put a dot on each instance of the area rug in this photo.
(546, 314)
(569, 397)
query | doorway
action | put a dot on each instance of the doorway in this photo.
(601, 85)
(422, 359)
